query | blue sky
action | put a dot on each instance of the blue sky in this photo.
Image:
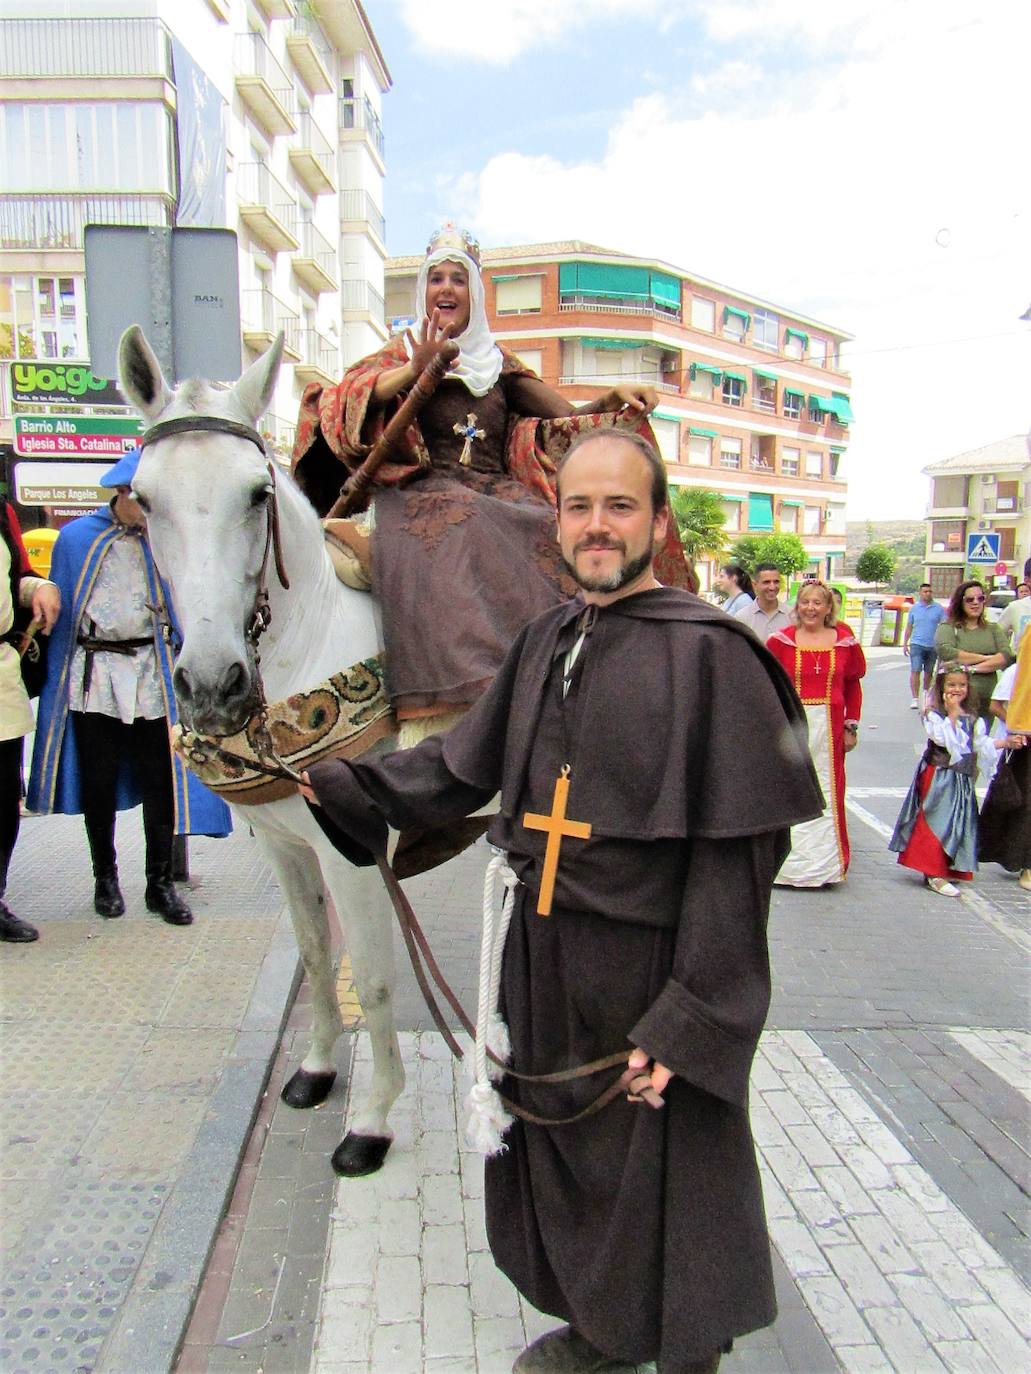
(861, 162)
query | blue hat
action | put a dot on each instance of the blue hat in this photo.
(124, 470)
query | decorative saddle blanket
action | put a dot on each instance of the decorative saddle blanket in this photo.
(342, 717)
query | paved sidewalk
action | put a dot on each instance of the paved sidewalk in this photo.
(134, 1056)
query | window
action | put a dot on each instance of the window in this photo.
(835, 520)
(42, 317)
(762, 453)
(735, 323)
(1006, 497)
(813, 463)
(788, 518)
(765, 395)
(944, 580)
(837, 465)
(948, 492)
(518, 295)
(760, 511)
(667, 437)
(793, 405)
(1007, 543)
(703, 314)
(86, 146)
(947, 536)
(733, 389)
(811, 520)
(533, 358)
(732, 512)
(818, 352)
(789, 458)
(701, 383)
(795, 342)
(765, 329)
(730, 453)
(699, 449)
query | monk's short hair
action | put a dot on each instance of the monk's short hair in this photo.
(648, 451)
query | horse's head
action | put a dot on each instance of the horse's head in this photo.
(206, 497)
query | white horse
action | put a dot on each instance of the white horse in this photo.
(207, 496)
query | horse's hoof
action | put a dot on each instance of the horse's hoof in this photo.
(308, 1089)
(360, 1154)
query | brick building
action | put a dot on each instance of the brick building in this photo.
(754, 402)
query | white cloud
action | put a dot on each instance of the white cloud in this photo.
(883, 191)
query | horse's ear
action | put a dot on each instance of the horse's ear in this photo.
(254, 389)
(139, 375)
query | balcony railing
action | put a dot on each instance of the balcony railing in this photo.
(266, 207)
(360, 296)
(310, 53)
(319, 358)
(44, 221)
(312, 157)
(645, 379)
(359, 207)
(654, 308)
(263, 84)
(359, 114)
(315, 262)
(263, 315)
(85, 47)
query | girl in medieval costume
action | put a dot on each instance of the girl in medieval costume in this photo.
(936, 832)
(825, 662)
(462, 524)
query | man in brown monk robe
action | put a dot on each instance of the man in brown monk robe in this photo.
(643, 1229)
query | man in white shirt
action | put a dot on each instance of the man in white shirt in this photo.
(1017, 615)
(766, 613)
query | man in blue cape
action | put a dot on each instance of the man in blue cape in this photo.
(102, 742)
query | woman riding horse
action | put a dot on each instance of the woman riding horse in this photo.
(463, 547)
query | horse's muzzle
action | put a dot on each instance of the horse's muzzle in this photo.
(216, 706)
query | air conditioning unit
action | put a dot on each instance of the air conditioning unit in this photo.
(984, 524)
(987, 477)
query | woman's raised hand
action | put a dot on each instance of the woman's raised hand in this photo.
(433, 337)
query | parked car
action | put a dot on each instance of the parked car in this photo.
(997, 603)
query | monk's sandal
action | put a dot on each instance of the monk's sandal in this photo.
(565, 1351)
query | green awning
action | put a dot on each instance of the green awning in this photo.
(735, 377)
(766, 376)
(793, 395)
(716, 373)
(797, 334)
(741, 315)
(665, 289)
(786, 502)
(726, 496)
(844, 409)
(508, 276)
(823, 403)
(661, 414)
(704, 433)
(760, 511)
(611, 281)
(839, 451)
(834, 553)
(612, 344)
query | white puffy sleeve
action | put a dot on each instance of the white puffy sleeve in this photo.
(954, 737)
(984, 748)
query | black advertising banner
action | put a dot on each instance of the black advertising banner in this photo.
(62, 384)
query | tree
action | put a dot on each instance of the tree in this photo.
(785, 550)
(700, 518)
(876, 564)
(908, 580)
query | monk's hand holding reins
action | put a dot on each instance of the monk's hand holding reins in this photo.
(645, 1080)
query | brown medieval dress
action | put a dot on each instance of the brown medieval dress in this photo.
(463, 554)
(644, 1229)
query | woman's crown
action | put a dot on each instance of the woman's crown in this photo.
(450, 236)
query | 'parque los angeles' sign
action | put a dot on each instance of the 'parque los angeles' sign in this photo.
(62, 384)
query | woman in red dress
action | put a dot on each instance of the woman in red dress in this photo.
(825, 662)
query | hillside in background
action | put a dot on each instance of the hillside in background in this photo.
(906, 537)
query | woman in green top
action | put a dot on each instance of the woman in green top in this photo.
(966, 636)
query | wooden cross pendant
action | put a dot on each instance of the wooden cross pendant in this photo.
(471, 432)
(556, 827)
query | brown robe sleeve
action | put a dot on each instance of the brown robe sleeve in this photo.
(705, 1023)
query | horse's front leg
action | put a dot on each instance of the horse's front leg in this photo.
(297, 867)
(364, 909)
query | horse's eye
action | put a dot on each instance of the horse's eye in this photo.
(260, 496)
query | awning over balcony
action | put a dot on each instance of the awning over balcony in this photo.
(844, 408)
(616, 281)
(742, 315)
(760, 511)
(716, 373)
(766, 376)
(799, 334)
(732, 496)
(787, 502)
(590, 341)
(790, 395)
(703, 433)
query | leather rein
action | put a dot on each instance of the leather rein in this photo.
(270, 764)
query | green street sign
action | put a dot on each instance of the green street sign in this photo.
(64, 436)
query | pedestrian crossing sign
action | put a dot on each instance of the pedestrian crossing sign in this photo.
(983, 548)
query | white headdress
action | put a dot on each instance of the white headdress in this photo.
(479, 362)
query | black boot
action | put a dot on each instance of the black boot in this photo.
(107, 895)
(14, 930)
(161, 896)
(565, 1351)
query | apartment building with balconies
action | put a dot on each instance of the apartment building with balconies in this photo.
(263, 116)
(984, 491)
(754, 402)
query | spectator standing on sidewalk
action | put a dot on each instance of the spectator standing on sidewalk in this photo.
(736, 585)
(1017, 615)
(969, 638)
(102, 742)
(766, 613)
(925, 615)
(18, 587)
(936, 832)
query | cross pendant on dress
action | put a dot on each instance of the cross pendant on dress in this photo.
(556, 827)
(471, 432)
(817, 669)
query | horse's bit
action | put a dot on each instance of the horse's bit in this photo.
(261, 618)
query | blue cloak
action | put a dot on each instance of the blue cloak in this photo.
(54, 784)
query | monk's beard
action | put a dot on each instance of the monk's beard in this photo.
(612, 583)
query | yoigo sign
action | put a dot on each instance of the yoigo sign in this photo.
(62, 384)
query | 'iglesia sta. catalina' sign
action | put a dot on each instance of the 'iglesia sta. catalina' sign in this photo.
(62, 384)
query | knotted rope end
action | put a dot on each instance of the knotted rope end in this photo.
(487, 1120)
